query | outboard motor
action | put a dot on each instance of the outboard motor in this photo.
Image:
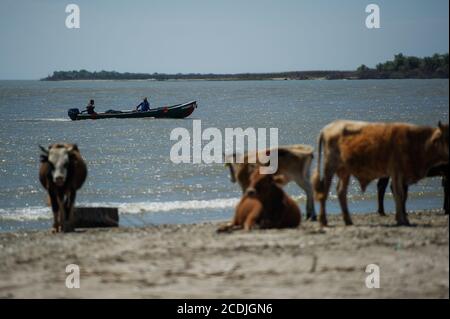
(73, 113)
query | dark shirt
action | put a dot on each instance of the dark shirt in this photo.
(90, 109)
(144, 106)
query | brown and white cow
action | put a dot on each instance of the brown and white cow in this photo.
(265, 204)
(62, 172)
(294, 163)
(368, 151)
(440, 170)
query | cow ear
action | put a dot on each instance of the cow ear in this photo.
(443, 126)
(44, 154)
(436, 135)
(43, 158)
(73, 147)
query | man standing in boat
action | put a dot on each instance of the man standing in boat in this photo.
(144, 106)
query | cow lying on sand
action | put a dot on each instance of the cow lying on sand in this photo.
(265, 204)
(294, 163)
(62, 173)
(441, 170)
(369, 151)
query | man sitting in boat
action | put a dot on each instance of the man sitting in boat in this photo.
(144, 106)
(90, 108)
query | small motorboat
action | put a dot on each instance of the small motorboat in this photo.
(178, 111)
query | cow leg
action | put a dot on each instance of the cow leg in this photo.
(400, 190)
(69, 224)
(305, 184)
(62, 212)
(228, 227)
(341, 190)
(252, 219)
(55, 210)
(327, 179)
(445, 185)
(381, 186)
(322, 214)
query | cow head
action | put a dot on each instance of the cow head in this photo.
(265, 186)
(440, 141)
(58, 156)
(240, 170)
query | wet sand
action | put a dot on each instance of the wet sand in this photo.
(193, 261)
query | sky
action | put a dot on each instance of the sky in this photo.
(214, 36)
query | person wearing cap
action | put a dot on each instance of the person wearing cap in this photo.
(144, 106)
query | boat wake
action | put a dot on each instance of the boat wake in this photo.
(44, 120)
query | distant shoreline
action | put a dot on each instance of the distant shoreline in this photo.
(401, 67)
(283, 76)
(227, 80)
(288, 76)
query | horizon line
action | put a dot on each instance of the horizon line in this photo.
(178, 73)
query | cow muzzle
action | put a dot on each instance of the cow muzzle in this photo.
(59, 181)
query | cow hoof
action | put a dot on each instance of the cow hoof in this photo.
(383, 214)
(312, 218)
(68, 228)
(403, 223)
(348, 223)
(224, 229)
(54, 230)
(323, 221)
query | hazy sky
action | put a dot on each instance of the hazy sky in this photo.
(219, 36)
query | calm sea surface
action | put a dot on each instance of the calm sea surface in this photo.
(128, 160)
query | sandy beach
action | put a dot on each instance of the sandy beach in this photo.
(193, 261)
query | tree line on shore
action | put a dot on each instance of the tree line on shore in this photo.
(401, 67)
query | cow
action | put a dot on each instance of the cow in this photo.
(265, 204)
(368, 151)
(441, 170)
(62, 172)
(294, 163)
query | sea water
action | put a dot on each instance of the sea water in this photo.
(128, 159)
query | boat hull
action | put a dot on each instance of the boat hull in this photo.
(178, 111)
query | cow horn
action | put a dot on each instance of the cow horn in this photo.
(440, 124)
(43, 149)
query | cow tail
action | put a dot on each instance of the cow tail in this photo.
(318, 183)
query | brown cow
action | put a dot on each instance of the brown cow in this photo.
(294, 163)
(265, 204)
(62, 172)
(369, 151)
(441, 170)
